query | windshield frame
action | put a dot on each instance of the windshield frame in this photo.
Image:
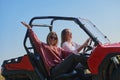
(94, 32)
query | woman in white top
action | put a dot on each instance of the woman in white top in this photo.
(68, 44)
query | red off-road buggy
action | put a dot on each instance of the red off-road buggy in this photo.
(103, 57)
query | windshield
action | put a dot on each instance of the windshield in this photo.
(94, 31)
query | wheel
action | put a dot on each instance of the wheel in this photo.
(116, 74)
(90, 46)
(109, 68)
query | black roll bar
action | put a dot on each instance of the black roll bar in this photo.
(54, 18)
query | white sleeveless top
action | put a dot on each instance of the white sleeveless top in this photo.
(70, 47)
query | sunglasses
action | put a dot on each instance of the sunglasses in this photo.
(53, 37)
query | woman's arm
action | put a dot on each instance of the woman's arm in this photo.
(32, 35)
(26, 25)
(84, 45)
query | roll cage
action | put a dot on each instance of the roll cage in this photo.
(55, 18)
(31, 51)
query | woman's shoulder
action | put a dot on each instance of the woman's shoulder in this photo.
(65, 43)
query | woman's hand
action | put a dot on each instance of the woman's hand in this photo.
(86, 42)
(26, 25)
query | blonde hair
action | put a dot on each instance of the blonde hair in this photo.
(48, 37)
(63, 35)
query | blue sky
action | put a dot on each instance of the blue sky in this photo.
(105, 14)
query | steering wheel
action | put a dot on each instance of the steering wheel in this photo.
(89, 47)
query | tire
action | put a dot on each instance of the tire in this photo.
(116, 74)
(108, 70)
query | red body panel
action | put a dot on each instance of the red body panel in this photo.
(24, 64)
(99, 53)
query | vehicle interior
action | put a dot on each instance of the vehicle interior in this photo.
(42, 26)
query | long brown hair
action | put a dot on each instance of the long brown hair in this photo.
(63, 36)
(48, 37)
